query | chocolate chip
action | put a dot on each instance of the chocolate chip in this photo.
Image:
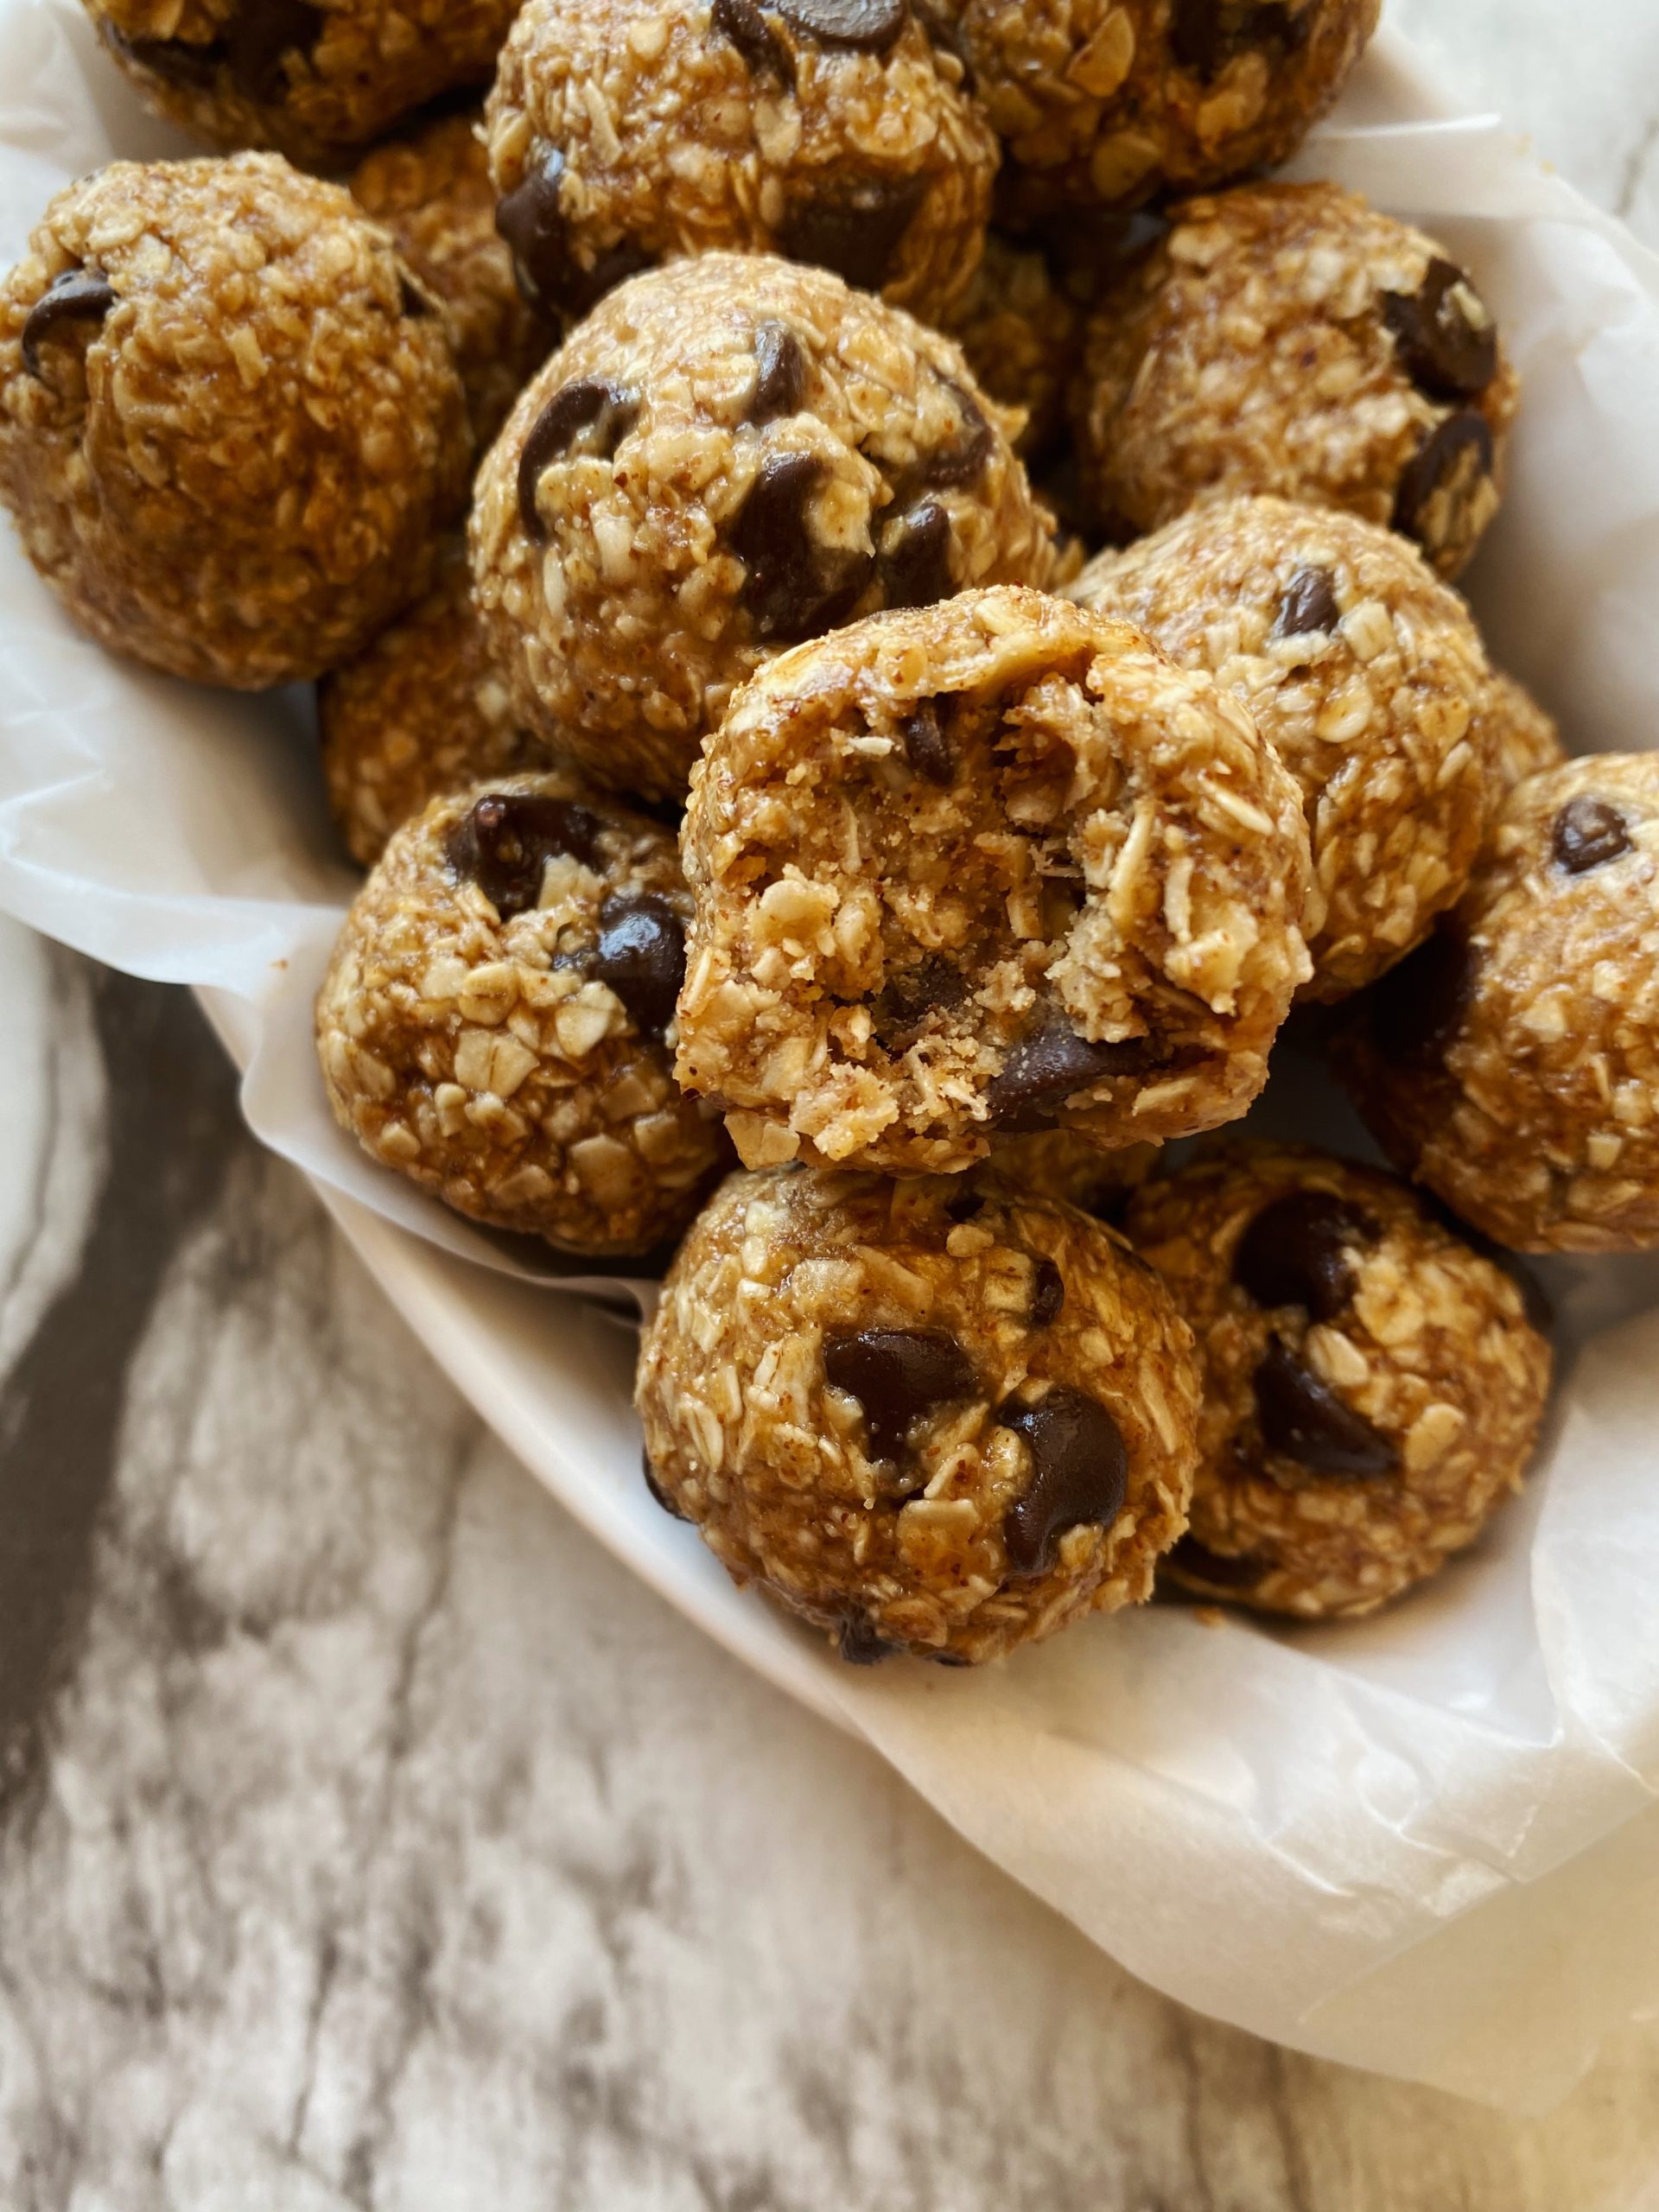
(916, 560)
(1042, 1072)
(1305, 1420)
(1206, 35)
(1588, 833)
(742, 23)
(1222, 1570)
(1080, 1473)
(74, 295)
(963, 460)
(860, 1643)
(641, 955)
(1048, 1294)
(1440, 460)
(855, 229)
(868, 26)
(934, 984)
(410, 298)
(656, 1490)
(1418, 1007)
(257, 37)
(896, 1375)
(929, 751)
(184, 62)
(1309, 603)
(530, 219)
(506, 840)
(1294, 1252)
(795, 588)
(1444, 351)
(779, 373)
(588, 403)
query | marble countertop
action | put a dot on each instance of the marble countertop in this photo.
(369, 1838)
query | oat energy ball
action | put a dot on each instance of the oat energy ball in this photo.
(1110, 102)
(1288, 337)
(498, 1020)
(624, 132)
(1512, 1063)
(1058, 1164)
(1372, 1386)
(1367, 676)
(979, 868)
(432, 193)
(1022, 335)
(939, 1416)
(729, 456)
(1523, 736)
(419, 716)
(315, 80)
(230, 422)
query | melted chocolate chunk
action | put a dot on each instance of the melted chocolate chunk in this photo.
(506, 839)
(1442, 458)
(179, 61)
(75, 295)
(656, 1490)
(1043, 1070)
(1309, 604)
(1294, 1253)
(779, 373)
(1206, 35)
(795, 588)
(1443, 350)
(1588, 833)
(741, 22)
(867, 26)
(860, 1643)
(963, 460)
(856, 230)
(1048, 1294)
(589, 403)
(641, 955)
(929, 751)
(1303, 1418)
(1417, 1007)
(915, 563)
(1222, 1570)
(1080, 1472)
(898, 1376)
(256, 38)
(903, 1003)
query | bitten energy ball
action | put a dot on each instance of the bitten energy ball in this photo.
(624, 132)
(730, 454)
(1365, 675)
(1290, 338)
(979, 868)
(938, 1416)
(1512, 1063)
(315, 80)
(230, 422)
(1109, 102)
(432, 193)
(1022, 335)
(497, 1021)
(1372, 1386)
(421, 715)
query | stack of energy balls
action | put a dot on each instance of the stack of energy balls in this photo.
(661, 433)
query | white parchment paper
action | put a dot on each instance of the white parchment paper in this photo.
(1428, 1843)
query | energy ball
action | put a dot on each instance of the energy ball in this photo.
(498, 1020)
(1366, 676)
(1022, 336)
(1110, 102)
(1512, 1063)
(624, 132)
(1525, 740)
(432, 193)
(942, 1416)
(419, 716)
(314, 80)
(729, 456)
(230, 422)
(1287, 338)
(1058, 1164)
(979, 868)
(1372, 1386)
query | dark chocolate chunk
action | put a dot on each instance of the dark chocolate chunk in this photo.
(963, 460)
(1222, 1570)
(1309, 604)
(779, 373)
(656, 1490)
(795, 588)
(258, 36)
(1294, 1253)
(192, 66)
(855, 229)
(1416, 1008)
(929, 751)
(641, 955)
(1043, 1070)
(916, 561)
(1206, 35)
(1443, 351)
(1445, 456)
(530, 219)
(868, 26)
(896, 1375)
(1303, 1418)
(1080, 1472)
(506, 839)
(588, 403)
(1588, 833)
(860, 1643)
(906, 999)
(1048, 1294)
(75, 295)
(742, 23)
